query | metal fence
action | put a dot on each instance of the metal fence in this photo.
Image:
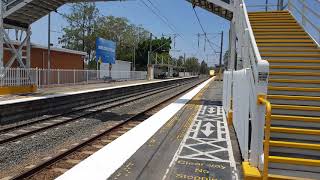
(56, 77)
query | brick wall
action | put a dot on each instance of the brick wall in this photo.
(59, 60)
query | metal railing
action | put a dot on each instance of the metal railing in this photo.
(306, 12)
(252, 77)
(262, 100)
(17, 77)
(253, 73)
(307, 16)
(57, 77)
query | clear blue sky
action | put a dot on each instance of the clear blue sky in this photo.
(179, 13)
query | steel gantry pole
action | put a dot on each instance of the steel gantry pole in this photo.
(220, 59)
(49, 48)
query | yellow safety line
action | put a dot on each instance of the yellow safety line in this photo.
(282, 37)
(289, 50)
(284, 41)
(267, 21)
(276, 88)
(294, 67)
(295, 145)
(269, 12)
(286, 45)
(301, 98)
(290, 55)
(295, 131)
(279, 33)
(295, 118)
(275, 26)
(295, 81)
(297, 161)
(292, 61)
(294, 107)
(277, 30)
(295, 73)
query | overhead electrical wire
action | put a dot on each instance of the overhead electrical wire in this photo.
(159, 11)
(204, 32)
(161, 17)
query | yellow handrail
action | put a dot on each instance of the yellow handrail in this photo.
(263, 100)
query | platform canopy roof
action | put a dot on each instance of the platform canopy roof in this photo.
(22, 13)
(222, 8)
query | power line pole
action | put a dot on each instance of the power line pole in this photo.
(49, 46)
(221, 49)
(220, 60)
(150, 48)
(184, 63)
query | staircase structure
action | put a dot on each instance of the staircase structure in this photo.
(279, 61)
(294, 93)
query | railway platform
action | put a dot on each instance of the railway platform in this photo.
(189, 139)
(18, 107)
(65, 90)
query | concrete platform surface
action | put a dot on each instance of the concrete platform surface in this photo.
(194, 144)
(72, 89)
(69, 88)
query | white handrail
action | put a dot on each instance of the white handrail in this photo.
(258, 70)
(252, 38)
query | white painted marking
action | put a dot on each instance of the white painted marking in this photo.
(219, 111)
(211, 110)
(207, 131)
(204, 110)
(176, 155)
(230, 149)
(103, 163)
(219, 132)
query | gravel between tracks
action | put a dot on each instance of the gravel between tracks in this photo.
(31, 150)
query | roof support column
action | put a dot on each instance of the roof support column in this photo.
(28, 48)
(232, 46)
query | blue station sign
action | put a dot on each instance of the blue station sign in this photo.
(105, 51)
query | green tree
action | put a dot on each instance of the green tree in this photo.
(86, 24)
(204, 68)
(180, 61)
(80, 32)
(161, 46)
(192, 64)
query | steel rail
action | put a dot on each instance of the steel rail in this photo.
(64, 154)
(19, 136)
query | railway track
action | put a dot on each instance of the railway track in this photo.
(23, 130)
(54, 166)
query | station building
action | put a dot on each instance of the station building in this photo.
(61, 58)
